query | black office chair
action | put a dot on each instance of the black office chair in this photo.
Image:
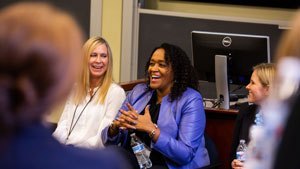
(213, 154)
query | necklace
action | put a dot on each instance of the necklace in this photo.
(73, 126)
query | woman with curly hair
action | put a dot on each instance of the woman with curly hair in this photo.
(166, 113)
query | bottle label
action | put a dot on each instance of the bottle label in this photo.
(138, 148)
(240, 155)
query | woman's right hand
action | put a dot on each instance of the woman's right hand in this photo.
(237, 164)
(114, 128)
(126, 120)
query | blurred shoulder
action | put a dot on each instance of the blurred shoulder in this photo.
(96, 159)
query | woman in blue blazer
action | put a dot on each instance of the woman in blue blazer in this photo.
(166, 113)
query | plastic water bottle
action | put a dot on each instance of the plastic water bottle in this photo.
(140, 152)
(241, 151)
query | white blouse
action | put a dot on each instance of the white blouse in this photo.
(94, 117)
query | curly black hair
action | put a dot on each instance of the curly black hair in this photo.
(184, 73)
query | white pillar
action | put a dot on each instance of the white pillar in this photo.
(96, 18)
(129, 47)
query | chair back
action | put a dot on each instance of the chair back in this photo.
(213, 154)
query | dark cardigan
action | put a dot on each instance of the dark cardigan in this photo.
(243, 123)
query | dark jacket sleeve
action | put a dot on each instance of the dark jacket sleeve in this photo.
(243, 123)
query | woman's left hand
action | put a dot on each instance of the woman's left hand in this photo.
(144, 122)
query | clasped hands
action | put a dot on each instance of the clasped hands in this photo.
(130, 119)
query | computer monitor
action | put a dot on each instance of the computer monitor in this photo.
(242, 52)
(223, 96)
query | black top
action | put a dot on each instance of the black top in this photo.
(244, 121)
(156, 157)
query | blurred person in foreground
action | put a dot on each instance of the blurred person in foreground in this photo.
(249, 113)
(288, 58)
(166, 112)
(95, 100)
(278, 141)
(40, 47)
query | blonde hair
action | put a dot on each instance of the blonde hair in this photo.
(265, 73)
(84, 79)
(289, 42)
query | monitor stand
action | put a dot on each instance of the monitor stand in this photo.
(221, 81)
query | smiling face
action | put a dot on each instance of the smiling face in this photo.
(98, 62)
(257, 92)
(160, 72)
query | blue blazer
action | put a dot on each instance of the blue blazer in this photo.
(181, 124)
(34, 147)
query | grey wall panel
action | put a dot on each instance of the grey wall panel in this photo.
(156, 29)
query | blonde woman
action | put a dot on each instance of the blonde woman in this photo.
(95, 100)
(279, 138)
(250, 114)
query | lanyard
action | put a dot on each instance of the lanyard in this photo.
(73, 126)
